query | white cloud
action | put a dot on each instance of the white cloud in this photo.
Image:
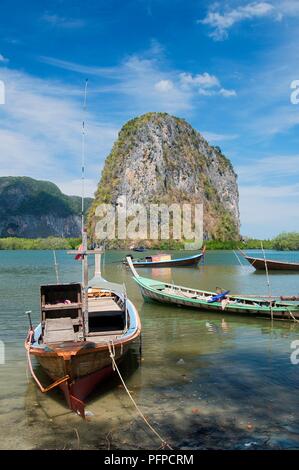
(267, 210)
(204, 80)
(164, 86)
(84, 69)
(269, 168)
(287, 7)
(264, 200)
(222, 22)
(3, 59)
(74, 187)
(205, 92)
(61, 22)
(144, 79)
(147, 81)
(214, 137)
(205, 84)
(138, 79)
(40, 131)
(227, 93)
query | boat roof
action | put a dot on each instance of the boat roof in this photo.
(101, 283)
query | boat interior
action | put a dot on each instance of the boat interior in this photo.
(150, 259)
(207, 296)
(62, 317)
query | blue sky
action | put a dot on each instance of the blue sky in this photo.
(226, 67)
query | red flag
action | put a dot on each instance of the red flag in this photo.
(78, 256)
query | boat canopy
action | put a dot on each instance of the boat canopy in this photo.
(101, 283)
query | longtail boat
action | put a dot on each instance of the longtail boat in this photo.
(139, 249)
(85, 328)
(213, 301)
(81, 327)
(272, 265)
(165, 261)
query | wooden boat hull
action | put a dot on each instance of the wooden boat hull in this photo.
(259, 264)
(84, 364)
(98, 366)
(77, 365)
(188, 261)
(214, 302)
(279, 313)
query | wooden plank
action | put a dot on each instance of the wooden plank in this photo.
(105, 334)
(58, 336)
(103, 305)
(59, 329)
(59, 324)
(62, 306)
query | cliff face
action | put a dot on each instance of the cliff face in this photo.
(160, 158)
(31, 208)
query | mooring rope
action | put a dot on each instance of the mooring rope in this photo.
(40, 386)
(238, 258)
(291, 314)
(114, 366)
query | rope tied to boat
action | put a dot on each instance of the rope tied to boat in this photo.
(40, 386)
(111, 347)
(293, 317)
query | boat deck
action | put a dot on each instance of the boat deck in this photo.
(103, 304)
(104, 337)
(106, 319)
(59, 329)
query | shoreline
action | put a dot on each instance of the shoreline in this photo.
(58, 243)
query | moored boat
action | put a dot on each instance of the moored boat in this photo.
(139, 249)
(80, 329)
(165, 261)
(214, 301)
(272, 265)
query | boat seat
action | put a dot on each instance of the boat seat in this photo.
(188, 295)
(59, 329)
(104, 304)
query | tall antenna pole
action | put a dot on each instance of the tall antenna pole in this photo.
(83, 163)
(83, 229)
(56, 267)
(268, 281)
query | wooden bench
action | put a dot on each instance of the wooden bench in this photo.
(59, 329)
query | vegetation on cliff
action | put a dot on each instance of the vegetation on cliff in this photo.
(31, 208)
(159, 158)
(36, 197)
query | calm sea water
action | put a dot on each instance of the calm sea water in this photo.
(201, 384)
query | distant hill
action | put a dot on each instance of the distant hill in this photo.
(159, 158)
(31, 208)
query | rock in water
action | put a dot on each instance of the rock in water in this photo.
(159, 158)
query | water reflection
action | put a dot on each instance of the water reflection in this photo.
(206, 380)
